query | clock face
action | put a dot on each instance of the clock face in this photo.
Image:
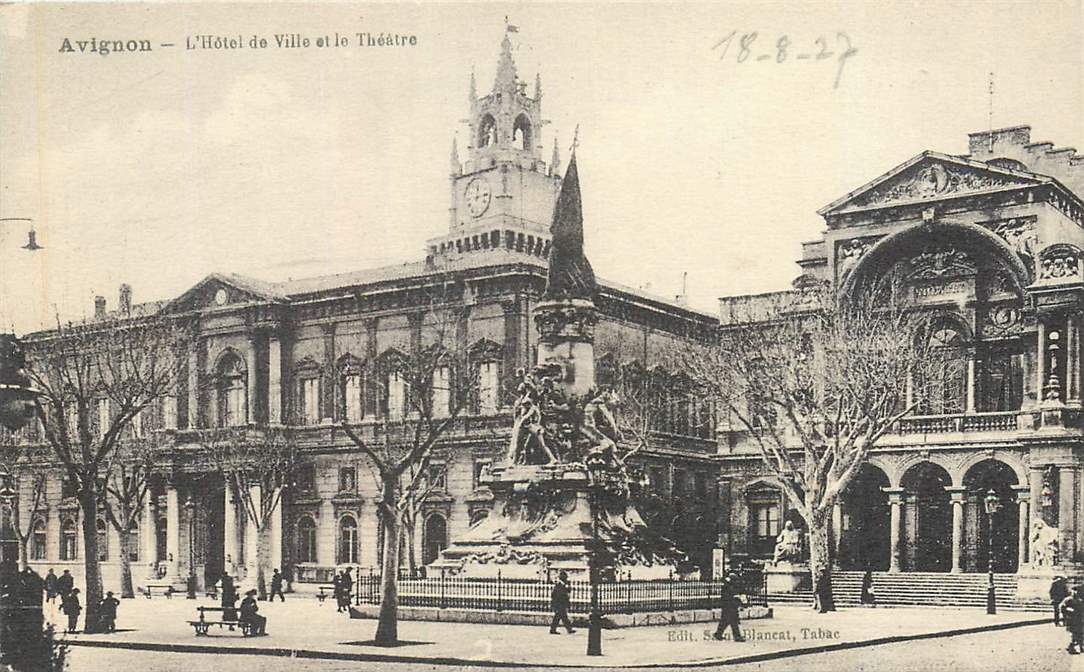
(221, 297)
(477, 197)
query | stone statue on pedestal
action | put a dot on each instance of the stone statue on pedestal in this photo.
(788, 545)
(1044, 544)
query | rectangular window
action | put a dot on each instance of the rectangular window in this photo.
(353, 398)
(306, 478)
(488, 383)
(438, 477)
(137, 425)
(235, 405)
(310, 401)
(442, 392)
(766, 520)
(103, 417)
(347, 479)
(37, 542)
(396, 396)
(169, 412)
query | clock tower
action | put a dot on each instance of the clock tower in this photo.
(502, 195)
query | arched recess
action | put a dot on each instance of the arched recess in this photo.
(979, 480)
(978, 242)
(231, 389)
(927, 518)
(521, 133)
(487, 131)
(434, 537)
(866, 521)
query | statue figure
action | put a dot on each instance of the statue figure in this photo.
(600, 426)
(1044, 544)
(528, 442)
(788, 545)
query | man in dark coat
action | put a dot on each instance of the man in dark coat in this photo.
(276, 587)
(1059, 590)
(560, 601)
(729, 603)
(346, 589)
(50, 585)
(107, 612)
(1072, 612)
(249, 609)
(338, 583)
(229, 595)
(69, 604)
(65, 584)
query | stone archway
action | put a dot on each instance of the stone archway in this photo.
(866, 522)
(435, 537)
(980, 479)
(927, 518)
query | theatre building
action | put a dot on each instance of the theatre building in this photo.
(989, 244)
(293, 354)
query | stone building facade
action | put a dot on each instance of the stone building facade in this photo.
(262, 354)
(989, 244)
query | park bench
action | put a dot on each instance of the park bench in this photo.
(163, 588)
(203, 625)
(326, 591)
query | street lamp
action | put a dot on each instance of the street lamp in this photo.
(992, 506)
(595, 470)
(190, 507)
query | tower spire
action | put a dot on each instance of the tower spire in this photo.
(473, 88)
(537, 86)
(506, 67)
(570, 273)
(555, 162)
(455, 157)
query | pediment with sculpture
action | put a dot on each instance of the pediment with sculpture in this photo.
(930, 176)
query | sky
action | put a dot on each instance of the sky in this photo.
(695, 156)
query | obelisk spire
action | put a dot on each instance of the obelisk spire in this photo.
(570, 273)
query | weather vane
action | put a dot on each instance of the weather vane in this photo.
(575, 139)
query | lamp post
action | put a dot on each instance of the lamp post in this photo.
(190, 508)
(595, 470)
(992, 507)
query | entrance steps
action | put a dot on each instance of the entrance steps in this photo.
(926, 589)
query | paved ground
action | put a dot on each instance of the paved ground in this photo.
(1034, 648)
(309, 627)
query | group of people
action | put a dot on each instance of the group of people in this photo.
(344, 590)
(249, 612)
(1069, 611)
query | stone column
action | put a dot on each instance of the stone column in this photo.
(252, 539)
(229, 527)
(149, 532)
(274, 381)
(837, 533)
(1023, 504)
(957, 494)
(274, 530)
(1040, 362)
(1067, 519)
(251, 378)
(173, 528)
(970, 408)
(326, 534)
(895, 501)
(1070, 361)
(194, 392)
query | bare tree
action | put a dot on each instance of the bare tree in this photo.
(92, 379)
(423, 392)
(127, 486)
(414, 504)
(258, 466)
(817, 382)
(18, 459)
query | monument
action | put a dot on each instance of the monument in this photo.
(563, 488)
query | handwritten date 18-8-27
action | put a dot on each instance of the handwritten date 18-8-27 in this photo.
(751, 47)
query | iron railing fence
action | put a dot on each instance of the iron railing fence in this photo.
(533, 596)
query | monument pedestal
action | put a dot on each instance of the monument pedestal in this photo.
(541, 525)
(1034, 582)
(787, 577)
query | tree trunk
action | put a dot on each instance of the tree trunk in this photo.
(126, 587)
(263, 550)
(24, 556)
(92, 570)
(820, 563)
(412, 556)
(387, 629)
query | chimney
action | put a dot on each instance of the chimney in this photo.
(125, 298)
(99, 306)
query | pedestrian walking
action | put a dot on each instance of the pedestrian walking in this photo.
(1059, 590)
(729, 603)
(107, 613)
(250, 615)
(50, 586)
(868, 595)
(560, 601)
(346, 585)
(65, 584)
(276, 587)
(1072, 613)
(338, 592)
(69, 604)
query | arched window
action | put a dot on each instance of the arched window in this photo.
(353, 397)
(945, 386)
(487, 131)
(231, 381)
(38, 541)
(348, 541)
(306, 540)
(103, 540)
(134, 539)
(478, 516)
(69, 540)
(436, 537)
(521, 133)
